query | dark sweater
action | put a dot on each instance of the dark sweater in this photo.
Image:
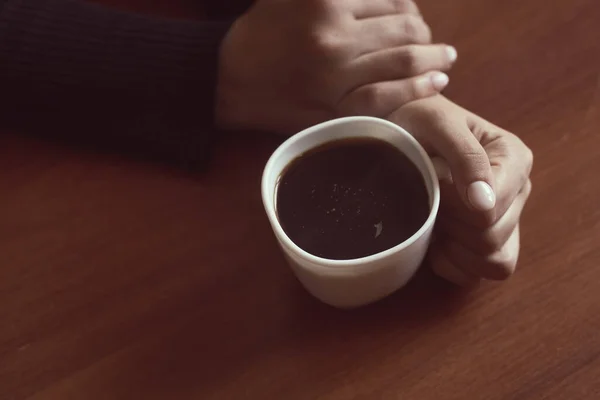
(101, 76)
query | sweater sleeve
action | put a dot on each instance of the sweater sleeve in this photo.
(225, 9)
(102, 76)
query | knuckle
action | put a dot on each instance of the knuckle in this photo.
(498, 266)
(492, 241)
(519, 151)
(327, 43)
(409, 60)
(528, 155)
(523, 156)
(410, 6)
(440, 116)
(528, 188)
(365, 100)
(416, 30)
(503, 264)
(371, 97)
(528, 166)
(427, 35)
(507, 268)
(400, 6)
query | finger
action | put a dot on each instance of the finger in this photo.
(391, 31)
(401, 62)
(492, 239)
(508, 184)
(381, 98)
(499, 265)
(451, 139)
(454, 207)
(376, 8)
(443, 268)
(511, 162)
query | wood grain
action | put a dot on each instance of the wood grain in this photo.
(124, 280)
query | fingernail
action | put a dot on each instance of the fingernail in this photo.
(452, 53)
(439, 81)
(481, 196)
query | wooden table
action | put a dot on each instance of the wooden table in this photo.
(123, 280)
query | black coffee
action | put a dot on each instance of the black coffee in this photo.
(351, 198)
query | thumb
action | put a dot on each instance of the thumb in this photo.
(451, 139)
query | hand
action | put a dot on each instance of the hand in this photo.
(484, 182)
(287, 64)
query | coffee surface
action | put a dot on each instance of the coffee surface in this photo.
(351, 198)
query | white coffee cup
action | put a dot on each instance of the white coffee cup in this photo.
(356, 282)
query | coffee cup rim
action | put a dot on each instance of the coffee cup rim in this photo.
(269, 197)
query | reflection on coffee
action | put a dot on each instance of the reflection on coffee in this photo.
(351, 198)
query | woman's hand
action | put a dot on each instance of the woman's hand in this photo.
(484, 178)
(287, 64)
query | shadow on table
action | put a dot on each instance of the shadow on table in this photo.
(425, 302)
(253, 327)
